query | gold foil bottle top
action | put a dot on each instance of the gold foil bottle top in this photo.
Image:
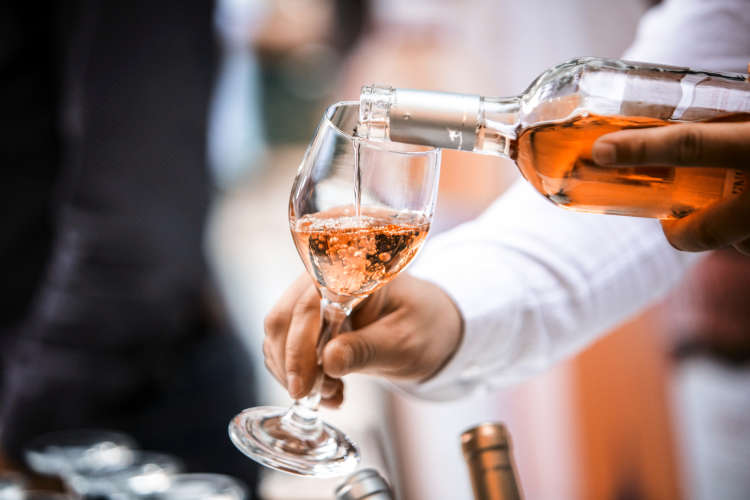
(364, 484)
(485, 436)
(487, 451)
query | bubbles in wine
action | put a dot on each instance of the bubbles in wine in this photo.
(355, 255)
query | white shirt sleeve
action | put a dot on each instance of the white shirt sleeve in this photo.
(536, 283)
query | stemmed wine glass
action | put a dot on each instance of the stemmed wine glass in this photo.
(61, 453)
(359, 212)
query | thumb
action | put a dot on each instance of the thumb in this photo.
(387, 348)
(348, 352)
(696, 145)
(356, 349)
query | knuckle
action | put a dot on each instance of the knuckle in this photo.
(689, 145)
(267, 347)
(361, 352)
(639, 151)
(416, 351)
(274, 323)
(293, 361)
(269, 366)
(304, 307)
(272, 370)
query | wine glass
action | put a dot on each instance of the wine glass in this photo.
(60, 453)
(146, 471)
(359, 212)
(201, 487)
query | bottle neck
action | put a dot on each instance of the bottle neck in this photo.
(487, 451)
(364, 484)
(501, 121)
(492, 475)
(439, 119)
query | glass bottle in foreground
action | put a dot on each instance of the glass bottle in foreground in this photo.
(365, 484)
(487, 451)
(359, 212)
(550, 128)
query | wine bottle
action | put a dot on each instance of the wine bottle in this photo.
(487, 451)
(365, 484)
(550, 128)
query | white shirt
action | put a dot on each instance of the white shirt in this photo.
(536, 283)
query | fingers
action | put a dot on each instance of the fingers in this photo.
(330, 387)
(724, 223)
(272, 367)
(277, 324)
(416, 331)
(347, 353)
(408, 332)
(385, 348)
(352, 351)
(696, 145)
(332, 392)
(300, 358)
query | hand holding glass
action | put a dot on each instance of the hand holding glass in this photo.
(358, 212)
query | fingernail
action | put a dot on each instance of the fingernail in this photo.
(294, 384)
(604, 153)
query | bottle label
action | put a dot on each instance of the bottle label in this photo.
(688, 84)
(734, 183)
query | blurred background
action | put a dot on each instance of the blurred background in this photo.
(632, 417)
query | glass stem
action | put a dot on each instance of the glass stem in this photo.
(302, 419)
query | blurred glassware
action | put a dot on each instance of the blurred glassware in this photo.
(11, 486)
(365, 484)
(45, 495)
(60, 453)
(148, 473)
(200, 487)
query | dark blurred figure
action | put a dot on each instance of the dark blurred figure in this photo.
(106, 319)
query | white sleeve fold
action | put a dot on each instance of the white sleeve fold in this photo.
(535, 283)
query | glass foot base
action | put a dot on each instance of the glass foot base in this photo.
(260, 434)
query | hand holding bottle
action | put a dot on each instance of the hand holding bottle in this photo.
(722, 145)
(407, 330)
